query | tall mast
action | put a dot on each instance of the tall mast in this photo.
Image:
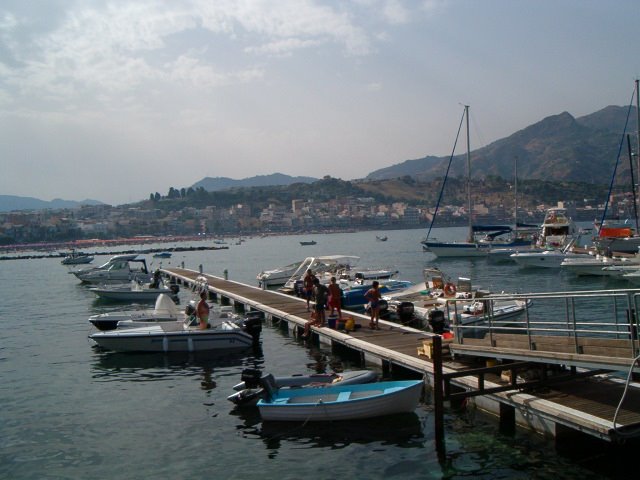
(637, 142)
(466, 112)
(515, 201)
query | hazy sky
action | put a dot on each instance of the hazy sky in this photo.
(114, 100)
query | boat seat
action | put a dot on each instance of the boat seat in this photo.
(343, 396)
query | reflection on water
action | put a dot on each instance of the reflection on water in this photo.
(143, 367)
(402, 430)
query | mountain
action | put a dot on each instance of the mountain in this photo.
(10, 203)
(223, 183)
(559, 147)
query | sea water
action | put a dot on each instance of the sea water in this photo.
(68, 410)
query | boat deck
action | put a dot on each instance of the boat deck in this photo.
(586, 405)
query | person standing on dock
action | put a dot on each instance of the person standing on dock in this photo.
(335, 297)
(202, 311)
(308, 286)
(373, 295)
(320, 292)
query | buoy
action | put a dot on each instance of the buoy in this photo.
(449, 289)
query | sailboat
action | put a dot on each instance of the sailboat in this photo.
(622, 238)
(481, 237)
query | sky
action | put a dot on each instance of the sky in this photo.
(115, 100)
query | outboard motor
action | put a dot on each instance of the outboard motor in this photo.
(190, 310)
(253, 325)
(436, 321)
(175, 288)
(405, 311)
(251, 377)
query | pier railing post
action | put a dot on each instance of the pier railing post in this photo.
(438, 397)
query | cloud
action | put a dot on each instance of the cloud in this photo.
(116, 48)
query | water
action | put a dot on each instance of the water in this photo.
(70, 411)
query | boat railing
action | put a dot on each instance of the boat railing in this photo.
(575, 322)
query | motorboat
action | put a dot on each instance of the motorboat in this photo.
(598, 265)
(135, 292)
(382, 239)
(165, 310)
(310, 242)
(543, 258)
(119, 269)
(162, 255)
(342, 402)
(77, 258)
(249, 390)
(353, 295)
(323, 267)
(276, 276)
(557, 229)
(546, 256)
(455, 299)
(227, 334)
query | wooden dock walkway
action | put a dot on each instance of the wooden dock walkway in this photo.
(586, 405)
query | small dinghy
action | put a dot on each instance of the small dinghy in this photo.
(342, 402)
(250, 389)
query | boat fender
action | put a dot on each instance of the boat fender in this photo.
(449, 289)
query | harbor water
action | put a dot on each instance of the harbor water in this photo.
(69, 410)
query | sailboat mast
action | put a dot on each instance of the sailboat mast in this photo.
(637, 143)
(515, 197)
(466, 112)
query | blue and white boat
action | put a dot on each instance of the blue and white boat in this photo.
(250, 390)
(353, 293)
(347, 402)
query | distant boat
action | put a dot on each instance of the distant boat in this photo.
(381, 239)
(77, 258)
(312, 242)
(162, 255)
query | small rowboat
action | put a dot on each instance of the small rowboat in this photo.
(348, 402)
(249, 391)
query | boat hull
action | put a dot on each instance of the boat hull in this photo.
(116, 295)
(158, 338)
(350, 402)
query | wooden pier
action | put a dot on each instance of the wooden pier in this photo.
(558, 404)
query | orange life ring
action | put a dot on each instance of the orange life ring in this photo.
(449, 289)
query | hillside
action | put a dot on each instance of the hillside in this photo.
(559, 147)
(211, 184)
(10, 203)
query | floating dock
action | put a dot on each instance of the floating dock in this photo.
(560, 402)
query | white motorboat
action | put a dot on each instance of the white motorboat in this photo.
(557, 230)
(276, 276)
(459, 299)
(543, 258)
(250, 390)
(323, 267)
(346, 402)
(137, 291)
(77, 258)
(225, 335)
(165, 310)
(598, 265)
(119, 269)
